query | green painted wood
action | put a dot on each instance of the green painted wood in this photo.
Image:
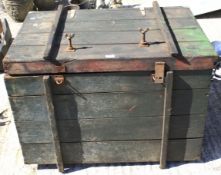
(109, 14)
(106, 82)
(89, 52)
(51, 118)
(100, 105)
(106, 129)
(34, 132)
(183, 23)
(111, 37)
(178, 12)
(91, 38)
(197, 49)
(19, 86)
(39, 153)
(192, 34)
(190, 102)
(30, 108)
(113, 151)
(129, 104)
(107, 25)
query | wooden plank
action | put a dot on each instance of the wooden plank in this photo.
(163, 24)
(90, 52)
(53, 32)
(20, 86)
(109, 14)
(32, 108)
(36, 16)
(111, 25)
(90, 38)
(197, 49)
(52, 122)
(115, 37)
(100, 105)
(108, 37)
(166, 118)
(182, 23)
(193, 34)
(106, 82)
(38, 153)
(178, 12)
(119, 129)
(114, 151)
(34, 132)
(190, 102)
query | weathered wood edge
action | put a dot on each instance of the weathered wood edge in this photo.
(166, 118)
(164, 28)
(116, 151)
(121, 65)
(52, 121)
(54, 30)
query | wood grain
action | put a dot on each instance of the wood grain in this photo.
(106, 82)
(100, 105)
(113, 151)
(115, 129)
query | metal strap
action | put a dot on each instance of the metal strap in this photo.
(162, 22)
(53, 33)
(166, 117)
(52, 121)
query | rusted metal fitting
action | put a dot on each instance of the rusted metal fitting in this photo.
(143, 42)
(159, 75)
(59, 79)
(69, 36)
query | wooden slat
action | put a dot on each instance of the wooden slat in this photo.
(23, 108)
(113, 25)
(52, 123)
(100, 105)
(197, 49)
(19, 86)
(89, 52)
(90, 38)
(114, 152)
(162, 22)
(193, 34)
(166, 118)
(106, 82)
(178, 12)
(39, 153)
(111, 37)
(109, 14)
(84, 130)
(53, 33)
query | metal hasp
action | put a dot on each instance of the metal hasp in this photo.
(162, 22)
(52, 121)
(69, 36)
(143, 42)
(59, 79)
(158, 77)
(166, 118)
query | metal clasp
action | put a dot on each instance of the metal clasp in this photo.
(159, 75)
(59, 79)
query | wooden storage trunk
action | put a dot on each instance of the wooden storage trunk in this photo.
(114, 98)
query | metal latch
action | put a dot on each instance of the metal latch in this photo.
(159, 75)
(59, 79)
